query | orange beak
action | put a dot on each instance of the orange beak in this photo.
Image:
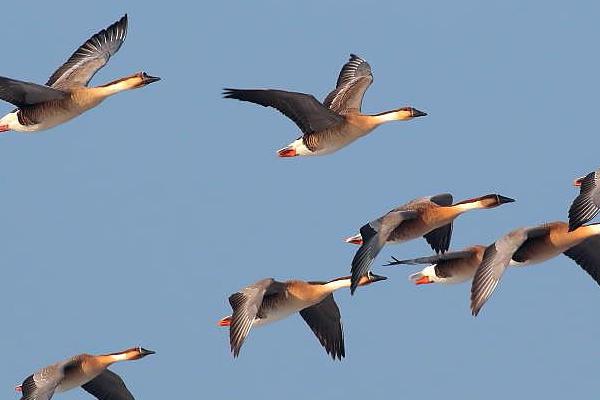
(577, 182)
(423, 280)
(287, 152)
(224, 322)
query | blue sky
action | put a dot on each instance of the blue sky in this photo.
(133, 223)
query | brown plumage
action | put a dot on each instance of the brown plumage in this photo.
(333, 124)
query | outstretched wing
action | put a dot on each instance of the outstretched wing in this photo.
(108, 386)
(306, 111)
(325, 321)
(353, 81)
(23, 94)
(453, 255)
(90, 57)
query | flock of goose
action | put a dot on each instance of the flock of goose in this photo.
(326, 127)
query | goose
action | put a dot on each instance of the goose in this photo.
(66, 94)
(333, 124)
(85, 370)
(533, 245)
(587, 204)
(268, 300)
(447, 268)
(430, 217)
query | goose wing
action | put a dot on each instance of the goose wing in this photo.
(587, 256)
(108, 386)
(42, 384)
(23, 94)
(246, 304)
(90, 57)
(325, 321)
(353, 81)
(431, 260)
(496, 258)
(374, 235)
(306, 111)
(587, 204)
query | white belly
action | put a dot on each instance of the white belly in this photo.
(277, 314)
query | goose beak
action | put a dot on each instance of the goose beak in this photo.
(147, 79)
(144, 352)
(424, 280)
(504, 199)
(356, 239)
(376, 278)
(416, 113)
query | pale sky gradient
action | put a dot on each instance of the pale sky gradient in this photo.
(133, 223)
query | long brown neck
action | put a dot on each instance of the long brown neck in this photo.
(112, 358)
(114, 87)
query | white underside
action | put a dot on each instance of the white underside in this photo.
(278, 314)
(13, 123)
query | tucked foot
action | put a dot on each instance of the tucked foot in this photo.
(19, 389)
(4, 128)
(225, 321)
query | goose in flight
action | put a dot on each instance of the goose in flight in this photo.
(429, 217)
(533, 245)
(327, 127)
(85, 370)
(66, 94)
(269, 300)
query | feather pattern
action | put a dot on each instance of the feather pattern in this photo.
(353, 81)
(90, 57)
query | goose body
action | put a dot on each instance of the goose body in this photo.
(533, 245)
(268, 301)
(66, 95)
(447, 268)
(428, 217)
(333, 124)
(85, 370)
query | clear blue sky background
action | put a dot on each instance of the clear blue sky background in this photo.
(133, 223)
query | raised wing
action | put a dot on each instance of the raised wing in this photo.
(90, 57)
(325, 321)
(496, 258)
(374, 235)
(245, 305)
(353, 81)
(108, 386)
(587, 204)
(306, 111)
(23, 94)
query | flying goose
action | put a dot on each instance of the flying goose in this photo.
(430, 217)
(333, 124)
(85, 370)
(446, 268)
(526, 246)
(66, 94)
(269, 300)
